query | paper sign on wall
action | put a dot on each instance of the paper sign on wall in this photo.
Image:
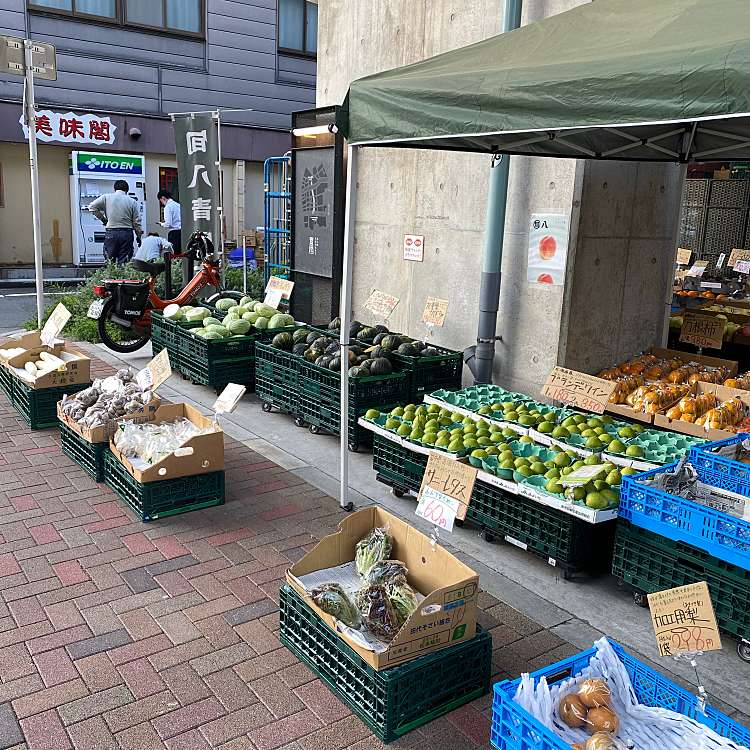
(435, 310)
(229, 398)
(702, 330)
(578, 389)
(683, 620)
(738, 254)
(683, 256)
(446, 490)
(285, 286)
(381, 304)
(548, 249)
(414, 247)
(698, 268)
(156, 372)
(54, 325)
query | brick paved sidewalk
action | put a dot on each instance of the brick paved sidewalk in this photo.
(118, 634)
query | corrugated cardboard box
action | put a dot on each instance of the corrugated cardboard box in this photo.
(201, 454)
(77, 368)
(30, 340)
(105, 432)
(446, 616)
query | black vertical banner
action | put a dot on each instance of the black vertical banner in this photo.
(197, 143)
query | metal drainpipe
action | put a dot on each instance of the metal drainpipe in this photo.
(480, 358)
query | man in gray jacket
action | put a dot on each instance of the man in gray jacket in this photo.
(119, 214)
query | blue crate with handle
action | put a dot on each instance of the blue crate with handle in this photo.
(513, 728)
(720, 534)
(721, 470)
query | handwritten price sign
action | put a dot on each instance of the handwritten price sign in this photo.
(578, 389)
(446, 490)
(54, 325)
(702, 330)
(683, 256)
(156, 372)
(435, 310)
(285, 286)
(381, 304)
(738, 254)
(684, 620)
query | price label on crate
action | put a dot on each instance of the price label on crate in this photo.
(683, 620)
(683, 256)
(273, 298)
(156, 372)
(435, 310)
(229, 398)
(702, 330)
(380, 304)
(446, 490)
(285, 286)
(54, 325)
(578, 389)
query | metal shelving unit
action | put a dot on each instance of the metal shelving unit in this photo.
(277, 180)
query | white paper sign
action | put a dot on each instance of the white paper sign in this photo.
(582, 475)
(273, 298)
(720, 261)
(697, 269)
(54, 325)
(742, 266)
(69, 127)
(414, 247)
(437, 507)
(229, 398)
(548, 249)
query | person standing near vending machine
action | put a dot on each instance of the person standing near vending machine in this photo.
(172, 219)
(119, 214)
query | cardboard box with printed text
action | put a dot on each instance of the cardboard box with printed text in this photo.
(103, 433)
(76, 367)
(446, 616)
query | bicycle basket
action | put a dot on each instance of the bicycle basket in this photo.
(131, 298)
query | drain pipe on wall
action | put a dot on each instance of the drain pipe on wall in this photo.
(480, 358)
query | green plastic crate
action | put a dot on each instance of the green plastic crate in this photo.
(276, 378)
(6, 381)
(216, 373)
(565, 541)
(38, 406)
(168, 497)
(393, 701)
(89, 456)
(427, 374)
(649, 562)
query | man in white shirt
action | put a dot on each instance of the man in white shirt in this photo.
(151, 248)
(172, 219)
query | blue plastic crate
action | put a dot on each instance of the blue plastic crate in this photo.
(721, 471)
(718, 533)
(513, 728)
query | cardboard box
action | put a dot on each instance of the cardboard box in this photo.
(723, 394)
(104, 433)
(201, 454)
(31, 340)
(77, 368)
(625, 410)
(446, 616)
(688, 357)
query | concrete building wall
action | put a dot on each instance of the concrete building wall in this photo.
(444, 196)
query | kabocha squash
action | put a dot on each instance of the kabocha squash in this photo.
(283, 341)
(390, 342)
(381, 366)
(300, 335)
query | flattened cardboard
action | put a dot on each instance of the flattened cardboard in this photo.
(201, 454)
(76, 371)
(105, 432)
(449, 586)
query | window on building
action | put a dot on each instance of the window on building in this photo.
(168, 181)
(179, 16)
(298, 26)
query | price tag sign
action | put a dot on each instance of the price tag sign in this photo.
(381, 304)
(446, 489)
(710, 285)
(705, 331)
(414, 247)
(683, 620)
(684, 256)
(273, 298)
(283, 285)
(229, 398)
(435, 310)
(720, 261)
(698, 268)
(578, 389)
(742, 266)
(54, 325)
(156, 372)
(738, 254)
(582, 476)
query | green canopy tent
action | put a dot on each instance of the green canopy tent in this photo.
(640, 80)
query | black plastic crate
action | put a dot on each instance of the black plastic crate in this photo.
(168, 497)
(38, 406)
(393, 701)
(428, 374)
(89, 456)
(398, 466)
(649, 562)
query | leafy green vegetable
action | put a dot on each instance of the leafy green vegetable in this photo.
(378, 615)
(373, 548)
(332, 599)
(387, 572)
(404, 600)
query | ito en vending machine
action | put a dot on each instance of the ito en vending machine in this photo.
(91, 175)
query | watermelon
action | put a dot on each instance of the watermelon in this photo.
(280, 320)
(261, 323)
(211, 322)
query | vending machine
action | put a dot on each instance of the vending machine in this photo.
(91, 175)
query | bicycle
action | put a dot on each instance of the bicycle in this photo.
(123, 310)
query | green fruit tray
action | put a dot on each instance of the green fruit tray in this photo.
(38, 406)
(539, 483)
(659, 447)
(649, 562)
(168, 497)
(391, 702)
(277, 378)
(89, 456)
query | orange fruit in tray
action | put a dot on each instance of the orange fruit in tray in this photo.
(708, 295)
(547, 247)
(545, 278)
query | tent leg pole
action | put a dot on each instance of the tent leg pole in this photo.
(673, 260)
(350, 216)
(489, 292)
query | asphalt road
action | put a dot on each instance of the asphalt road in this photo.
(17, 305)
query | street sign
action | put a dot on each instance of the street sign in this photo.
(12, 58)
